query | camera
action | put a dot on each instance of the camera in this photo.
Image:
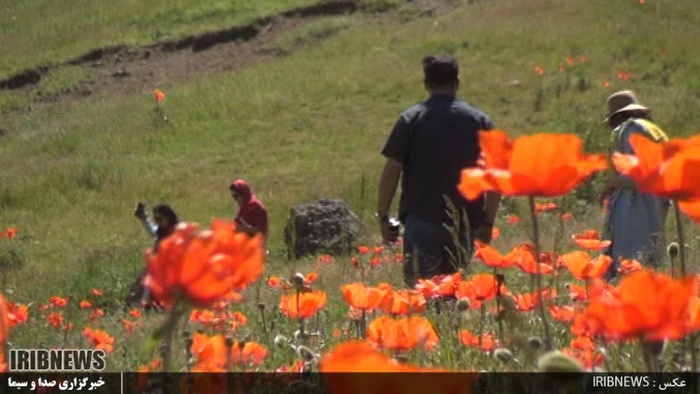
(394, 228)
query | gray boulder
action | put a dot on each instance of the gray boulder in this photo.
(323, 226)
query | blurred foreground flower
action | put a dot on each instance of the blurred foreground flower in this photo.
(203, 267)
(665, 169)
(402, 334)
(358, 356)
(646, 305)
(545, 165)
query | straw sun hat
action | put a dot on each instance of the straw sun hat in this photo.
(623, 101)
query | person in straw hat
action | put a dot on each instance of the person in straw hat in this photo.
(634, 221)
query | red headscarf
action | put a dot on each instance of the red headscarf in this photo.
(252, 211)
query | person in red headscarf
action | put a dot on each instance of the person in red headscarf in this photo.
(252, 215)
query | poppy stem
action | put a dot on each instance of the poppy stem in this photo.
(481, 324)
(673, 267)
(261, 308)
(538, 275)
(693, 353)
(317, 327)
(648, 355)
(606, 357)
(188, 350)
(498, 306)
(170, 327)
(681, 238)
(362, 324)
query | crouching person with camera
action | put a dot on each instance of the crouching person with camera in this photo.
(428, 147)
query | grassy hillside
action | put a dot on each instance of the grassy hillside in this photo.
(303, 126)
(39, 32)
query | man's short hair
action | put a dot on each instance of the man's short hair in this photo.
(440, 70)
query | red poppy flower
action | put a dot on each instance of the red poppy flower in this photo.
(490, 256)
(645, 305)
(361, 297)
(562, 313)
(16, 314)
(402, 334)
(546, 165)
(545, 207)
(204, 267)
(358, 356)
(247, 353)
(694, 314)
(581, 266)
(11, 232)
(488, 344)
(302, 305)
(55, 319)
(159, 95)
(403, 302)
(310, 278)
(583, 349)
(528, 301)
(4, 321)
(665, 169)
(481, 287)
(210, 352)
(629, 265)
(326, 259)
(590, 240)
(524, 257)
(100, 338)
(439, 286)
(577, 292)
(58, 302)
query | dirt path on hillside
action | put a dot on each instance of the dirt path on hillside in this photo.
(123, 70)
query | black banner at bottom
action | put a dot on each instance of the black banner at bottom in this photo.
(348, 383)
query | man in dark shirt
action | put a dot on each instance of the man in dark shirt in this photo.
(429, 146)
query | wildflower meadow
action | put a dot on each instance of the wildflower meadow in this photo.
(296, 121)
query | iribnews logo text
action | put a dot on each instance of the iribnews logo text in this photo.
(57, 360)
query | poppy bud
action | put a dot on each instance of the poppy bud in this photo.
(672, 249)
(298, 280)
(463, 304)
(534, 343)
(281, 340)
(305, 353)
(503, 355)
(261, 306)
(245, 334)
(556, 361)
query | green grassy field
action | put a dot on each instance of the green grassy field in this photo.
(304, 126)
